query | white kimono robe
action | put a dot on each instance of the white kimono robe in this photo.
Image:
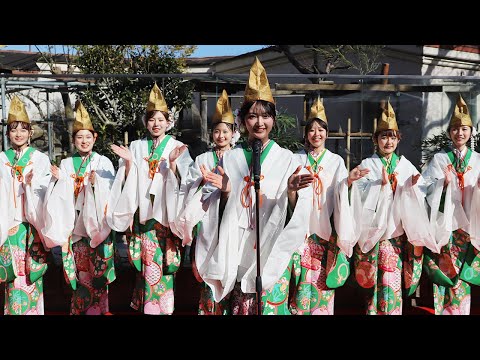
(193, 211)
(61, 215)
(169, 192)
(380, 215)
(455, 215)
(4, 204)
(21, 202)
(226, 254)
(333, 200)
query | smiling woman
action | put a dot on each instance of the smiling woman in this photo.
(151, 181)
(390, 243)
(75, 219)
(24, 176)
(226, 249)
(453, 193)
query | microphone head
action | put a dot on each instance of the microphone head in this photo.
(257, 146)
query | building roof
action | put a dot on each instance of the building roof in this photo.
(209, 60)
(18, 60)
(465, 48)
(12, 60)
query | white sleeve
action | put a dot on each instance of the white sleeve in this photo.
(123, 200)
(96, 202)
(59, 210)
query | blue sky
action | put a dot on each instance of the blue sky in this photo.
(202, 50)
(219, 50)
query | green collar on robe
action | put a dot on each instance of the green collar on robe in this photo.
(22, 162)
(215, 159)
(314, 163)
(79, 165)
(393, 163)
(157, 153)
(247, 151)
(460, 166)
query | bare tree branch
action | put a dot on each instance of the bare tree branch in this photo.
(363, 58)
(101, 115)
(36, 103)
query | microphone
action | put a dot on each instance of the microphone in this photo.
(257, 149)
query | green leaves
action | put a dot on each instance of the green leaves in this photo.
(116, 104)
(285, 131)
(434, 144)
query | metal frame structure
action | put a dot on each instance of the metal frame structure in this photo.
(207, 81)
(9, 86)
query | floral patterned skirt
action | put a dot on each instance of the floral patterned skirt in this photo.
(274, 301)
(391, 265)
(23, 262)
(319, 268)
(452, 271)
(89, 271)
(156, 253)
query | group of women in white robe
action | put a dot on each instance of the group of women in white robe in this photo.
(314, 216)
(76, 206)
(298, 206)
(44, 206)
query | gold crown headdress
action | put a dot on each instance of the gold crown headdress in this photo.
(257, 86)
(82, 119)
(223, 111)
(461, 115)
(156, 101)
(388, 120)
(317, 111)
(17, 111)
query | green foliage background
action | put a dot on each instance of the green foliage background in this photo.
(116, 105)
(434, 144)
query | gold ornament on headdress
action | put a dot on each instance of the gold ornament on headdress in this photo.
(82, 119)
(257, 86)
(461, 115)
(156, 101)
(17, 111)
(223, 111)
(388, 120)
(317, 111)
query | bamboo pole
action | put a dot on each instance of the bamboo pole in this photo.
(353, 135)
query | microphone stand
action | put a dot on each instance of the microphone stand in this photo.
(257, 147)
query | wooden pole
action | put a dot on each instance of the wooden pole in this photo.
(302, 128)
(305, 108)
(349, 124)
(125, 138)
(385, 71)
(203, 119)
